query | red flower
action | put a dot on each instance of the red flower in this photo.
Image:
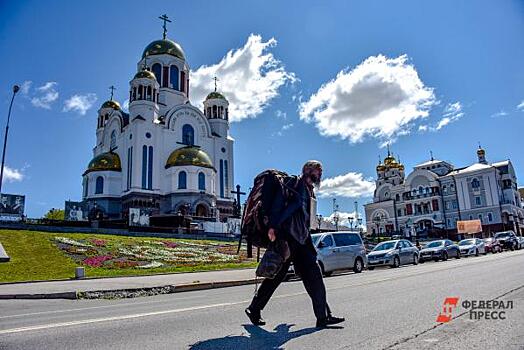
(97, 261)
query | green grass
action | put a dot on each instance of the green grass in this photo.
(34, 256)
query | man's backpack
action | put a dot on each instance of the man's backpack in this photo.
(255, 218)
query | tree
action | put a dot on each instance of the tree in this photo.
(55, 214)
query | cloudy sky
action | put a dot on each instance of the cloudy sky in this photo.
(334, 81)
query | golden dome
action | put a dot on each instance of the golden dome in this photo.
(165, 46)
(105, 162)
(481, 151)
(381, 167)
(390, 160)
(189, 155)
(145, 74)
(111, 104)
(215, 94)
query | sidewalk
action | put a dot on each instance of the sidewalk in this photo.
(127, 286)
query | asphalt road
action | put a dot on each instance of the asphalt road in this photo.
(385, 309)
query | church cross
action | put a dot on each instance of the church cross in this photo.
(431, 154)
(238, 193)
(112, 88)
(215, 79)
(165, 19)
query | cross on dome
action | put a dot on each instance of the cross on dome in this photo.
(165, 19)
(112, 88)
(215, 79)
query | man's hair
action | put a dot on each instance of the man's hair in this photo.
(310, 165)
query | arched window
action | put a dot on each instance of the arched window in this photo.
(490, 217)
(173, 77)
(475, 183)
(183, 81)
(188, 135)
(140, 88)
(148, 93)
(150, 169)
(215, 112)
(86, 187)
(157, 70)
(201, 181)
(99, 188)
(182, 180)
(420, 190)
(144, 167)
(134, 94)
(112, 145)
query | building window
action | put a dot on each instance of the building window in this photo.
(490, 217)
(399, 212)
(99, 188)
(173, 72)
(165, 77)
(226, 179)
(86, 187)
(397, 197)
(475, 184)
(449, 223)
(112, 145)
(183, 81)
(157, 70)
(188, 135)
(144, 167)
(150, 169)
(201, 181)
(182, 180)
(452, 188)
(221, 178)
(129, 166)
(454, 204)
(480, 217)
(478, 201)
(420, 190)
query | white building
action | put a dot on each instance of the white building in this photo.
(165, 155)
(435, 195)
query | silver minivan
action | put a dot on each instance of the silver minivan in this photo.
(341, 250)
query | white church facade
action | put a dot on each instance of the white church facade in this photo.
(165, 155)
(435, 195)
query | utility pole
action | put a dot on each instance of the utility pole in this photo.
(16, 88)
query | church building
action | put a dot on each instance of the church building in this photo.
(166, 155)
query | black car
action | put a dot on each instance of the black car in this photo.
(439, 250)
(507, 239)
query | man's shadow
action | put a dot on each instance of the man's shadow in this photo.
(257, 338)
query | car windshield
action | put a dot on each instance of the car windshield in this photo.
(488, 240)
(467, 242)
(435, 244)
(315, 239)
(385, 246)
(501, 234)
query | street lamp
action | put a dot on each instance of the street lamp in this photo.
(16, 88)
(350, 219)
(319, 220)
(359, 220)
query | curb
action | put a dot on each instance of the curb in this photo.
(131, 292)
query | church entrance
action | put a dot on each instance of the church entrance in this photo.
(201, 211)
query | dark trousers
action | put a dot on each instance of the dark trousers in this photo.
(305, 263)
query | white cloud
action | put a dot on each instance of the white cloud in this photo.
(249, 77)
(521, 106)
(80, 103)
(344, 219)
(349, 185)
(12, 175)
(499, 114)
(380, 98)
(452, 113)
(284, 127)
(125, 106)
(26, 85)
(47, 94)
(280, 114)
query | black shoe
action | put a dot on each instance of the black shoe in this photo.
(254, 317)
(329, 321)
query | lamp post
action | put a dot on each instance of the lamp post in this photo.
(16, 88)
(319, 220)
(359, 220)
(350, 219)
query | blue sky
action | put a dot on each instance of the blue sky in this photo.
(342, 79)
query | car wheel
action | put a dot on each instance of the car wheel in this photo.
(444, 256)
(358, 266)
(415, 259)
(396, 262)
(324, 273)
(476, 252)
(458, 254)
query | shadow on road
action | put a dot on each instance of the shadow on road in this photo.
(257, 338)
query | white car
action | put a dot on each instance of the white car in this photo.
(472, 246)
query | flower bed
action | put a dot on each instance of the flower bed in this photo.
(146, 254)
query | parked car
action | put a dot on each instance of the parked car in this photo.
(507, 239)
(439, 250)
(393, 253)
(340, 251)
(521, 241)
(492, 245)
(472, 246)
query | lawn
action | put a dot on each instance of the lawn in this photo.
(48, 256)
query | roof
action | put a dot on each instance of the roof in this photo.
(164, 46)
(472, 168)
(189, 155)
(108, 161)
(430, 162)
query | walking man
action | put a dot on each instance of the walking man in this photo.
(289, 220)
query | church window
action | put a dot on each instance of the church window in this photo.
(134, 94)
(150, 169)
(209, 112)
(215, 113)
(480, 217)
(226, 179)
(182, 180)
(165, 77)
(490, 217)
(99, 188)
(188, 135)
(144, 167)
(157, 70)
(148, 96)
(183, 81)
(420, 190)
(129, 166)
(86, 186)
(140, 88)
(112, 145)
(227, 113)
(173, 71)
(221, 178)
(201, 181)
(475, 184)
(148, 135)
(477, 200)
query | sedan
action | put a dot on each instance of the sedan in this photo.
(492, 245)
(507, 239)
(439, 250)
(393, 253)
(472, 246)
